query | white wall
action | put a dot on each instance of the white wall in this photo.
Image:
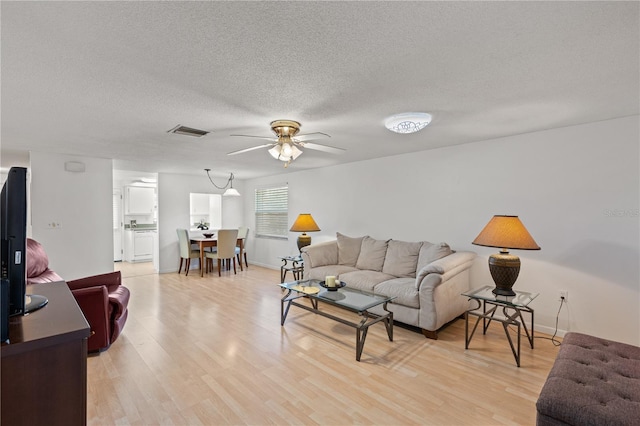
(173, 212)
(576, 189)
(80, 204)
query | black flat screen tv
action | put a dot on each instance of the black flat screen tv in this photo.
(13, 259)
(13, 209)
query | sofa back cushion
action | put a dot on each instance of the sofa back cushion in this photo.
(430, 252)
(37, 259)
(401, 259)
(372, 254)
(348, 249)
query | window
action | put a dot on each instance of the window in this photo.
(272, 207)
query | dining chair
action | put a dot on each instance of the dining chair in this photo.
(243, 233)
(186, 252)
(226, 249)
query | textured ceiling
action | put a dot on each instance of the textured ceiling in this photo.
(108, 79)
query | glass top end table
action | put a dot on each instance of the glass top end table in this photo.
(296, 267)
(522, 298)
(518, 304)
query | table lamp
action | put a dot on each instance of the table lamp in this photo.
(505, 232)
(304, 223)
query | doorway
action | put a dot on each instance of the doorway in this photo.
(135, 220)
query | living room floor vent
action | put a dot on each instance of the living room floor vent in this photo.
(188, 131)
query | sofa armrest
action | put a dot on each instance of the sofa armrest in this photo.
(111, 280)
(440, 285)
(94, 304)
(443, 269)
(320, 254)
(118, 302)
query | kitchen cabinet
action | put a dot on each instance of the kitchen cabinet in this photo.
(206, 208)
(200, 204)
(139, 200)
(139, 245)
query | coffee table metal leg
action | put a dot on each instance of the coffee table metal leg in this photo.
(361, 336)
(388, 322)
(283, 311)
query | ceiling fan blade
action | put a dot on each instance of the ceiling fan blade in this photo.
(258, 137)
(324, 148)
(250, 149)
(311, 136)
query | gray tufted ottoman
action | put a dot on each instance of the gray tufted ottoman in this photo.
(592, 382)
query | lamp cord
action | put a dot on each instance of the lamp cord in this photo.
(555, 332)
(230, 180)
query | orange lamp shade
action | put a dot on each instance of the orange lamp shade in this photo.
(304, 223)
(506, 232)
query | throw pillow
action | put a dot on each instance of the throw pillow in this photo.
(430, 252)
(372, 254)
(401, 259)
(348, 249)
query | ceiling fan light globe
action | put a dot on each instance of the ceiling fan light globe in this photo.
(275, 152)
(295, 152)
(287, 149)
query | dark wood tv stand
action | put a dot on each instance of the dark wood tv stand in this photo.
(44, 365)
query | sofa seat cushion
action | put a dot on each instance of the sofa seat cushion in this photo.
(321, 272)
(364, 280)
(401, 258)
(403, 289)
(372, 254)
(348, 249)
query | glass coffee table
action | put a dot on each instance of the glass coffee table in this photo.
(345, 298)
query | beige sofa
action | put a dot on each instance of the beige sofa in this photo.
(426, 279)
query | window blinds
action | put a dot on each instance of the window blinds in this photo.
(272, 207)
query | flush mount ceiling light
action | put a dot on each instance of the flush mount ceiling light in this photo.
(408, 122)
(231, 191)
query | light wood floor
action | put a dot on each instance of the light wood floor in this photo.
(211, 351)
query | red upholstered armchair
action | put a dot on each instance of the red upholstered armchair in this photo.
(102, 298)
(104, 301)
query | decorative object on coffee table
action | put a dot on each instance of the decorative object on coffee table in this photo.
(505, 232)
(336, 285)
(304, 223)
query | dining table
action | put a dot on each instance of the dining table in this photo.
(204, 242)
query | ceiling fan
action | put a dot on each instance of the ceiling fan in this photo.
(286, 147)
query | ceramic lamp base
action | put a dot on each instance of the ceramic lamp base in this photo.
(504, 268)
(303, 241)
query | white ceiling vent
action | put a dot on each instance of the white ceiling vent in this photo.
(188, 131)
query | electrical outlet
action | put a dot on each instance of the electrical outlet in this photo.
(563, 294)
